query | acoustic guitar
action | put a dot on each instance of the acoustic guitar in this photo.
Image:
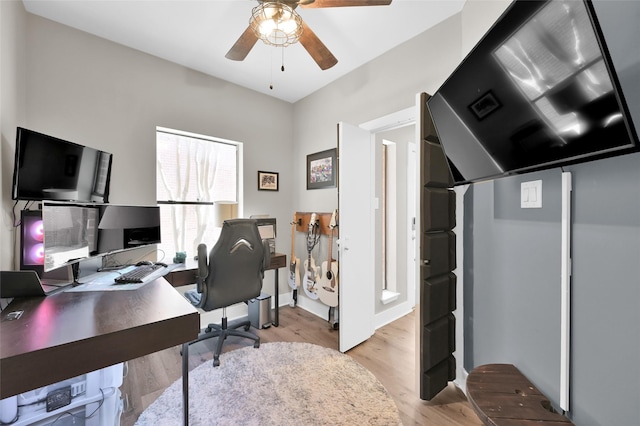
(310, 268)
(294, 266)
(328, 283)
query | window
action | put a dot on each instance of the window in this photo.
(195, 176)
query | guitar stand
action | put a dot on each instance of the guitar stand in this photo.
(333, 313)
(294, 291)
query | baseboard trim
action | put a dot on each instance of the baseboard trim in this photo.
(461, 380)
(390, 315)
(321, 310)
(315, 307)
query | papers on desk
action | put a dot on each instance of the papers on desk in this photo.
(105, 280)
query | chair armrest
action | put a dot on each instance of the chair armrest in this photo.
(203, 268)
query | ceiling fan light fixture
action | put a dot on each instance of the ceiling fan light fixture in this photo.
(276, 24)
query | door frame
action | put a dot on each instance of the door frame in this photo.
(407, 117)
(398, 119)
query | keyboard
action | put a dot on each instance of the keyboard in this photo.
(141, 274)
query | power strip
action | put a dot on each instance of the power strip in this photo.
(58, 398)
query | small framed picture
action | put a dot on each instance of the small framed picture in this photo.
(485, 105)
(322, 168)
(267, 181)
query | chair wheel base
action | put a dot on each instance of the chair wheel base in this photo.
(256, 345)
(216, 362)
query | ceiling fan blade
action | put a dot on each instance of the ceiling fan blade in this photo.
(318, 51)
(242, 46)
(342, 3)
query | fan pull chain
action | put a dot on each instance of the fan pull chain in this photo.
(282, 67)
(271, 71)
(271, 68)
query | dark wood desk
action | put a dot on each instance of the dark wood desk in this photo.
(500, 394)
(73, 333)
(186, 274)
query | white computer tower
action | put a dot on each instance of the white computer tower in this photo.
(92, 399)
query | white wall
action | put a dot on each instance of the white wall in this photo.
(12, 112)
(477, 18)
(97, 93)
(385, 85)
(401, 137)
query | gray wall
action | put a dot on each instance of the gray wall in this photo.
(512, 267)
(606, 243)
(606, 292)
(515, 280)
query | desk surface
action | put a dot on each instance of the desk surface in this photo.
(186, 273)
(69, 334)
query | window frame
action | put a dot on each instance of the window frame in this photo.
(239, 168)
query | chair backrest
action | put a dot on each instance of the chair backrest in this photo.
(236, 266)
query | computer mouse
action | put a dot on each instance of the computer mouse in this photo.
(144, 262)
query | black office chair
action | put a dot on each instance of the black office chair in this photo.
(233, 275)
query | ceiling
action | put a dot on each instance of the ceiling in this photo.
(198, 33)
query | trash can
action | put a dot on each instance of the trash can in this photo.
(260, 311)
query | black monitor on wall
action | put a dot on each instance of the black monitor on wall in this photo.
(538, 91)
(49, 168)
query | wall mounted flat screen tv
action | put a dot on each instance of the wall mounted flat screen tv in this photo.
(48, 168)
(77, 231)
(538, 91)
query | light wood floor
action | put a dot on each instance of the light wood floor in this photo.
(389, 355)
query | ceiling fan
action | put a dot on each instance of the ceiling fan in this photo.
(281, 10)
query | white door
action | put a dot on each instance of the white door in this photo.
(356, 255)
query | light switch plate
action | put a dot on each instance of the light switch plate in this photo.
(531, 194)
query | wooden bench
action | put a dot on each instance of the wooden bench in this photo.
(502, 396)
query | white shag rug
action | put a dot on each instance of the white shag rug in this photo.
(279, 383)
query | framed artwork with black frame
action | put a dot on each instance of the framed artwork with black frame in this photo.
(485, 105)
(322, 169)
(268, 181)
